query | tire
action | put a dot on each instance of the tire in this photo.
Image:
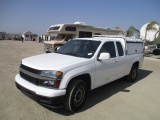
(133, 74)
(156, 52)
(76, 95)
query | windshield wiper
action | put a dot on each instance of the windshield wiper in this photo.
(76, 55)
(72, 54)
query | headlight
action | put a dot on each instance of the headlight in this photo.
(48, 73)
(52, 78)
(46, 83)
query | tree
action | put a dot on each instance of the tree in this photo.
(122, 31)
(158, 31)
(150, 26)
(132, 31)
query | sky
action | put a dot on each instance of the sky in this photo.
(18, 16)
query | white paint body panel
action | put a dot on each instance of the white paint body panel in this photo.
(101, 72)
(39, 90)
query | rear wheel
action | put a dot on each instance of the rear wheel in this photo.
(133, 74)
(75, 96)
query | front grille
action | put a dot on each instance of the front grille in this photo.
(29, 78)
(30, 69)
(47, 45)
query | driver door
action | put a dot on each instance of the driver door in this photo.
(106, 70)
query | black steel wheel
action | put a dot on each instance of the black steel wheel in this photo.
(75, 96)
(133, 74)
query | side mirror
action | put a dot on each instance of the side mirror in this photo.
(56, 48)
(104, 56)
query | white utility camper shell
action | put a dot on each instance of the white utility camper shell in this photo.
(132, 45)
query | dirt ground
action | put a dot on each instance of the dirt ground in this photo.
(119, 100)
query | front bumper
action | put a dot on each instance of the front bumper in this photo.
(53, 102)
(49, 50)
(44, 96)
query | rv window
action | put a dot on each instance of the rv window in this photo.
(54, 28)
(83, 34)
(70, 28)
(60, 37)
(97, 33)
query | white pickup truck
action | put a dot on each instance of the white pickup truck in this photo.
(82, 64)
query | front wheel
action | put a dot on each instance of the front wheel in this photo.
(133, 74)
(75, 96)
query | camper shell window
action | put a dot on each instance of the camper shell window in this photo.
(70, 28)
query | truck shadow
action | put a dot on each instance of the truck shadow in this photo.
(102, 93)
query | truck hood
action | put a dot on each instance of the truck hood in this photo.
(54, 61)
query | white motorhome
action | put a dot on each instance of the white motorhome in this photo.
(75, 30)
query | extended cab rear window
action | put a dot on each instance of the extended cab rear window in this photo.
(120, 49)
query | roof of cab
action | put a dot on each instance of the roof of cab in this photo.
(127, 39)
(100, 39)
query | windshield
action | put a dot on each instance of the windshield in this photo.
(60, 37)
(79, 48)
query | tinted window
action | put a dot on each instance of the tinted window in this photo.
(109, 48)
(70, 28)
(120, 49)
(83, 34)
(54, 28)
(97, 33)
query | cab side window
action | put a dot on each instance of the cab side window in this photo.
(120, 49)
(109, 47)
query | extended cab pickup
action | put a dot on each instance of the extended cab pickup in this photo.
(82, 64)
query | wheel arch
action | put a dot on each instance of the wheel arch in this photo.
(136, 63)
(86, 77)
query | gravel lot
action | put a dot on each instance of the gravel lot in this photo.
(119, 100)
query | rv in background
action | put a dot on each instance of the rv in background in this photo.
(65, 32)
